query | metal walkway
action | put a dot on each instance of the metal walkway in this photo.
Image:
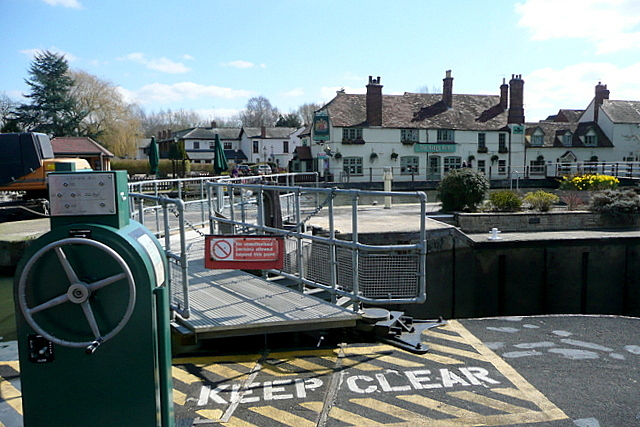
(226, 303)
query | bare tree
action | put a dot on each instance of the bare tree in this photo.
(259, 112)
(103, 114)
(7, 107)
(305, 111)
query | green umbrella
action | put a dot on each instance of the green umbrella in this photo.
(220, 161)
(154, 157)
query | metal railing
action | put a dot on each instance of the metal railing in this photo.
(178, 260)
(338, 264)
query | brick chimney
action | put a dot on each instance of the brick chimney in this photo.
(602, 93)
(447, 90)
(374, 102)
(516, 101)
(263, 132)
(504, 93)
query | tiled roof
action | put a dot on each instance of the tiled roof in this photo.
(622, 111)
(271, 133)
(208, 133)
(418, 110)
(77, 146)
(554, 131)
(303, 152)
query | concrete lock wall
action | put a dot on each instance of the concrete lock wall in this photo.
(533, 277)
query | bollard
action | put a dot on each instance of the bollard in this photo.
(494, 234)
(388, 178)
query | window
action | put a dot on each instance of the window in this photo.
(502, 166)
(502, 143)
(409, 164)
(196, 145)
(451, 163)
(445, 135)
(482, 141)
(482, 166)
(537, 139)
(352, 134)
(227, 145)
(352, 165)
(409, 135)
(591, 138)
(567, 138)
(537, 167)
(256, 147)
(285, 146)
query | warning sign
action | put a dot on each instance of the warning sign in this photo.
(245, 252)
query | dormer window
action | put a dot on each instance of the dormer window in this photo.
(591, 138)
(537, 139)
(567, 139)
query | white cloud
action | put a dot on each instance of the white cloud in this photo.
(547, 90)
(612, 25)
(217, 113)
(294, 93)
(167, 94)
(74, 4)
(163, 64)
(188, 57)
(242, 64)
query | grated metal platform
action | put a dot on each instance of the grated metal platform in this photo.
(227, 303)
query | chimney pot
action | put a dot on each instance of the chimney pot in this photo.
(374, 102)
(515, 114)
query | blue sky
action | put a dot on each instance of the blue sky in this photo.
(211, 56)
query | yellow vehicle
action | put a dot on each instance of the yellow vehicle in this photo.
(25, 161)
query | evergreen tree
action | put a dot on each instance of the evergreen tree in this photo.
(52, 108)
(291, 120)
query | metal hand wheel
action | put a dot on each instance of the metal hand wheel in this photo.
(78, 292)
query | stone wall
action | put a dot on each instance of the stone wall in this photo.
(541, 221)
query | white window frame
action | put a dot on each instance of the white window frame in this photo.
(409, 135)
(352, 166)
(409, 165)
(446, 135)
(452, 162)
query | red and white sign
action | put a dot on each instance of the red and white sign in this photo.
(244, 252)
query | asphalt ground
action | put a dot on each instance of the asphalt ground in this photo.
(542, 371)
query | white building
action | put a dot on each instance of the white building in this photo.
(420, 136)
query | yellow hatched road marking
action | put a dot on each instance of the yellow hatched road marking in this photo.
(342, 415)
(438, 406)
(442, 359)
(184, 376)
(210, 414)
(389, 409)
(363, 366)
(283, 417)
(309, 366)
(531, 393)
(489, 402)
(457, 352)
(329, 353)
(11, 395)
(226, 372)
(179, 397)
(433, 333)
(209, 360)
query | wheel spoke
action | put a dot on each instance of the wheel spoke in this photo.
(67, 266)
(88, 312)
(104, 282)
(51, 303)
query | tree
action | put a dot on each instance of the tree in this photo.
(52, 109)
(306, 111)
(175, 120)
(259, 112)
(291, 120)
(462, 189)
(103, 115)
(7, 118)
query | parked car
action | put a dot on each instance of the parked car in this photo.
(264, 170)
(244, 170)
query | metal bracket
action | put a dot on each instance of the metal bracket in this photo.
(394, 328)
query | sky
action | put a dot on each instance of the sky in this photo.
(212, 56)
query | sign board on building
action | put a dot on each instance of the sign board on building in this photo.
(321, 126)
(434, 148)
(244, 252)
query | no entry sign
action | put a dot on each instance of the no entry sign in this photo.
(244, 252)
